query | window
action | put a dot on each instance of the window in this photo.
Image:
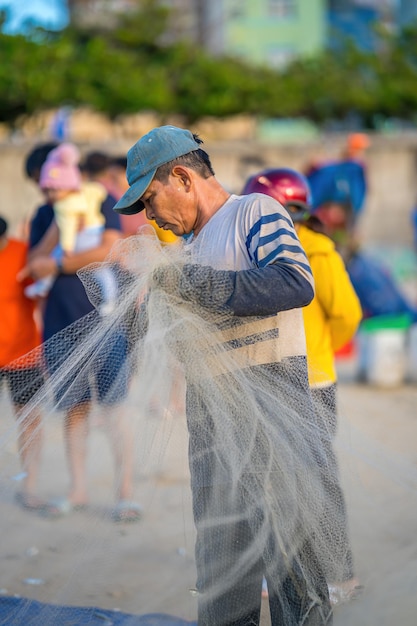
(282, 8)
(280, 56)
(237, 9)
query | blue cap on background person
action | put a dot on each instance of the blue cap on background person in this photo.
(161, 145)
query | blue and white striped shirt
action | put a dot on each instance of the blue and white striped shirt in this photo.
(255, 233)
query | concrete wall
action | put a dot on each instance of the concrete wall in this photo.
(392, 178)
(392, 172)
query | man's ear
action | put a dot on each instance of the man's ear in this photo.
(182, 176)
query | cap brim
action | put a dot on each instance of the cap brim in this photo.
(130, 203)
(134, 208)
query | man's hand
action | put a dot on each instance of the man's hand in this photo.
(200, 284)
(167, 278)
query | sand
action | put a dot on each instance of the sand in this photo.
(85, 559)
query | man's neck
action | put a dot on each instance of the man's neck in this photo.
(211, 202)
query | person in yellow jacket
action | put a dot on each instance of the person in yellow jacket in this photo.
(332, 318)
(330, 321)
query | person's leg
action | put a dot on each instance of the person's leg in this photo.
(112, 385)
(228, 560)
(229, 575)
(303, 597)
(297, 586)
(341, 570)
(30, 445)
(24, 383)
(75, 435)
(122, 442)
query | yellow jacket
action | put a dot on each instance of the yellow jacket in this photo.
(333, 316)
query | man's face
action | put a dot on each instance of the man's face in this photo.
(170, 206)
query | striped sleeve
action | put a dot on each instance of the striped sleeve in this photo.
(278, 277)
(271, 237)
(255, 292)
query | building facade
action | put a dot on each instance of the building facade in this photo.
(271, 32)
(407, 12)
(264, 32)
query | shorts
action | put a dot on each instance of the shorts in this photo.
(23, 383)
(101, 373)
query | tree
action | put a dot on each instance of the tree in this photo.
(137, 66)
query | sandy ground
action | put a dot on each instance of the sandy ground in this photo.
(85, 559)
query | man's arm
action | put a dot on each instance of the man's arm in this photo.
(281, 277)
(260, 291)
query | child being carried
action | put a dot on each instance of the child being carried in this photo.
(77, 210)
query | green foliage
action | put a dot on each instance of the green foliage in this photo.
(146, 27)
(135, 66)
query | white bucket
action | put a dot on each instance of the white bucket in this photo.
(382, 357)
(412, 354)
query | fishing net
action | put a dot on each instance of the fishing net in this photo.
(233, 465)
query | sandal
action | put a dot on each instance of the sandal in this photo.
(29, 502)
(127, 511)
(61, 507)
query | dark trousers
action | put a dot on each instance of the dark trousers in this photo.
(230, 589)
(239, 538)
(341, 568)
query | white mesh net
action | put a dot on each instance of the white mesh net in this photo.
(161, 376)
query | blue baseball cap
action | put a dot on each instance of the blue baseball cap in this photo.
(159, 146)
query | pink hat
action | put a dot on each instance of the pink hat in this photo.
(60, 170)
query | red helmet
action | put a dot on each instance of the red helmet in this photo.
(286, 185)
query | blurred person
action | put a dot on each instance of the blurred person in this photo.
(118, 184)
(36, 158)
(356, 146)
(60, 124)
(331, 321)
(32, 167)
(339, 189)
(338, 223)
(20, 335)
(95, 166)
(245, 258)
(30, 439)
(131, 223)
(78, 207)
(65, 303)
(77, 212)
